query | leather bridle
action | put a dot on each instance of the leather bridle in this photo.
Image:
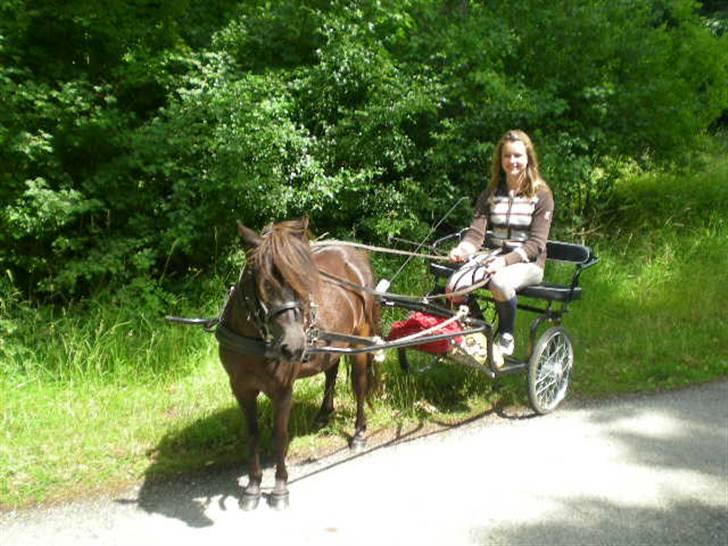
(262, 315)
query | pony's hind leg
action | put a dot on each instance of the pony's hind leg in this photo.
(248, 401)
(327, 404)
(360, 385)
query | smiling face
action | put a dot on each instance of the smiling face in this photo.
(514, 160)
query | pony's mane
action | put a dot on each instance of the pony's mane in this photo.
(283, 257)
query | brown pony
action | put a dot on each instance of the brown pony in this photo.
(278, 303)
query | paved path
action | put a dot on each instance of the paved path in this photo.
(637, 470)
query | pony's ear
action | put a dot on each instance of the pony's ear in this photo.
(305, 234)
(249, 237)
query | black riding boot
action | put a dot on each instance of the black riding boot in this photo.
(506, 315)
(475, 311)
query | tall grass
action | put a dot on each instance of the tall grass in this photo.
(655, 316)
(106, 393)
(111, 337)
(87, 390)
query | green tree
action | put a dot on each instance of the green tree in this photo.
(134, 133)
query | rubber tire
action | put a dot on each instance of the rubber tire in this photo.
(553, 357)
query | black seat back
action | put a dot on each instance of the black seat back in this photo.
(568, 252)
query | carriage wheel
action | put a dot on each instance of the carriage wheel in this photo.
(549, 370)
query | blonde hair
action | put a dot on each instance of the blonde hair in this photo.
(534, 181)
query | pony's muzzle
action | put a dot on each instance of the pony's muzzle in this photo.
(286, 351)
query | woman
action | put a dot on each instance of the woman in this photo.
(513, 218)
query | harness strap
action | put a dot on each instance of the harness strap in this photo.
(240, 344)
(207, 323)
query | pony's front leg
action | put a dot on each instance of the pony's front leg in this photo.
(248, 400)
(282, 404)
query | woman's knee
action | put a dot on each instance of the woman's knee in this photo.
(501, 289)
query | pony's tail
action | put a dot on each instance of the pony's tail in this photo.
(374, 383)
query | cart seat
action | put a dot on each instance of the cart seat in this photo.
(551, 292)
(545, 291)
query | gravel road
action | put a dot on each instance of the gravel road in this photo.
(636, 470)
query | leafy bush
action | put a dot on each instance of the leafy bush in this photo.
(129, 152)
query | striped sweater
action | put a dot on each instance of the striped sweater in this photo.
(517, 223)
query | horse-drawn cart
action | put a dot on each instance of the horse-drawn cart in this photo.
(298, 307)
(549, 355)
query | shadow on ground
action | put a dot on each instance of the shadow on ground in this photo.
(220, 479)
(675, 439)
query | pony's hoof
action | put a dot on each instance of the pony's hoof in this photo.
(358, 444)
(249, 502)
(322, 420)
(278, 501)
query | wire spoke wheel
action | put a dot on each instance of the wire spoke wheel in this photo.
(549, 370)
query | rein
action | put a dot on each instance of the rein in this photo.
(258, 346)
(335, 242)
(381, 294)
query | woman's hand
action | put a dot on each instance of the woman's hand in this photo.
(494, 265)
(457, 254)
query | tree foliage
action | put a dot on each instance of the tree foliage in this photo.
(135, 133)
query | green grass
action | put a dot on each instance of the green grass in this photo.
(655, 315)
(105, 394)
